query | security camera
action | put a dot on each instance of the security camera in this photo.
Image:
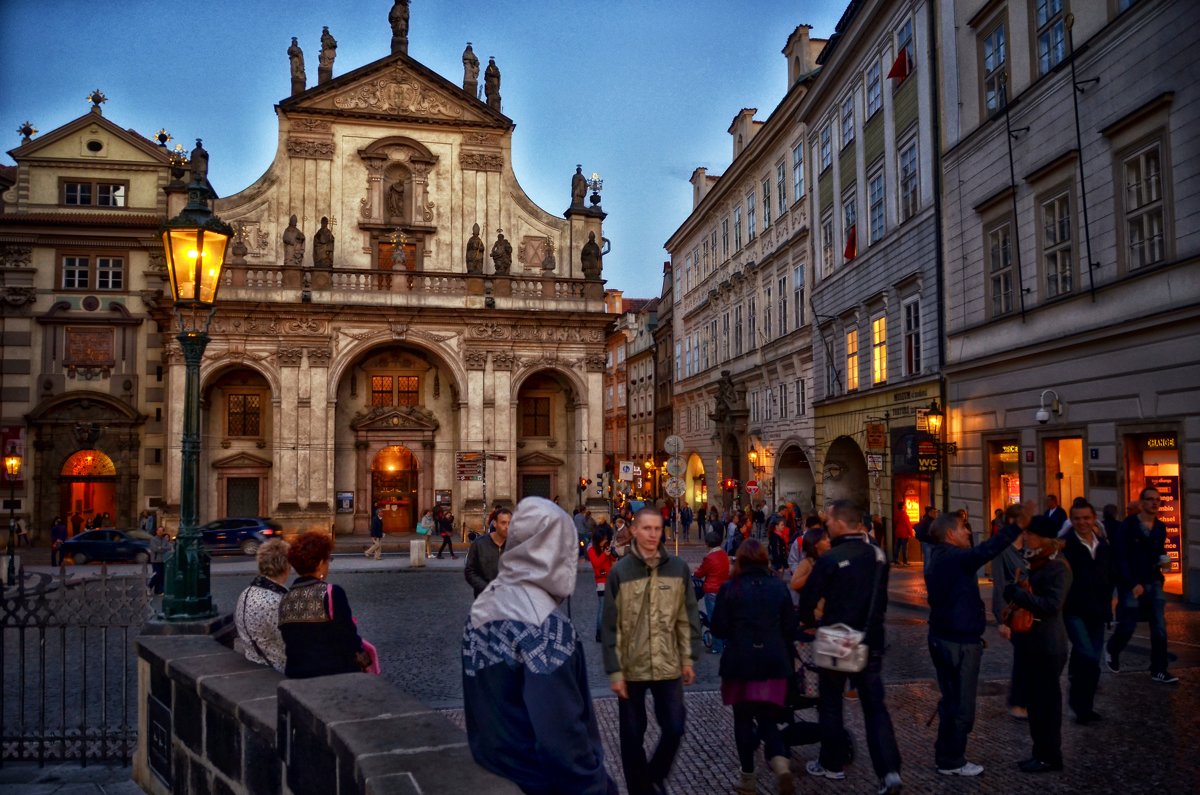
(1042, 416)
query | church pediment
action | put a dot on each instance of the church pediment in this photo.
(538, 459)
(399, 88)
(396, 418)
(242, 461)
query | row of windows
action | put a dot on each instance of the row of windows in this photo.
(94, 194)
(82, 272)
(1142, 222)
(878, 352)
(779, 402)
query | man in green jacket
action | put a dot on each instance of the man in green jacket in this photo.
(651, 636)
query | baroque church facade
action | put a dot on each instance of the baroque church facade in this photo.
(399, 325)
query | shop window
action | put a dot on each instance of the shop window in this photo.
(1004, 468)
(1152, 461)
(1063, 475)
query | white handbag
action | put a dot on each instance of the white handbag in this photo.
(840, 648)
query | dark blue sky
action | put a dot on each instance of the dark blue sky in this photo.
(642, 92)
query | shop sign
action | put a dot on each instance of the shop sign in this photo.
(928, 463)
(923, 420)
(1168, 514)
(1010, 453)
(876, 435)
(1159, 442)
(874, 462)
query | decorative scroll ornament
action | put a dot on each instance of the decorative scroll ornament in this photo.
(398, 94)
(290, 357)
(503, 360)
(311, 125)
(310, 148)
(595, 362)
(319, 357)
(490, 331)
(481, 161)
(304, 325)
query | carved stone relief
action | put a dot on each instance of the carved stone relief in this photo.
(310, 125)
(481, 161)
(311, 148)
(475, 359)
(319, 357)
(16, 256)
(398, 94)
(289, 357)
(503, 360)
(532, 252)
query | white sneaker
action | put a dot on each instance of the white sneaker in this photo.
(814, 769)
(968, 769)
(890, 784)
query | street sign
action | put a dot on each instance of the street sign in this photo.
(675, 466)
(923, 420)
(675, 487)
(625, 470)
(752, 487)
(874, 462)
(468, 464)
(673, 445)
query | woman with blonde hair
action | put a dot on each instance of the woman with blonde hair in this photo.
(257, 612)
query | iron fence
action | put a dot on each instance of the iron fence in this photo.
(68, 672)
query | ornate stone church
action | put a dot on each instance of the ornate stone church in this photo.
(399, 325)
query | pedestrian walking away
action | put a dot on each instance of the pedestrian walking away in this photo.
(526, 700)
(957, 619)
(483, 556)
(852, 579)
(651, 638)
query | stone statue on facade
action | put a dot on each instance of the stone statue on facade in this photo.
(726, 396)
(325, 59)
(398, 19)
(589, 258)
(579, 186)
(293, 244)
(199, 163)
(470, 71)
(399, 256)
(491, 84)
(475, 251)
(502, 254)
(323, 246)
(296, 56)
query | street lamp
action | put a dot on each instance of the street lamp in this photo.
(12, 469)
(194, 242)
(935, 419)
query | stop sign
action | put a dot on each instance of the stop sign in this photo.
(752, 487)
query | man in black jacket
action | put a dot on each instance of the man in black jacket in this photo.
(1139, 554)
(1088, 607)
(483, 557)
(957, 619)
(852, 579)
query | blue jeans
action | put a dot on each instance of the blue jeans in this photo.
(1083, 669)
(957, 666)
(641, 775)
(710, 604)
(1149, 607)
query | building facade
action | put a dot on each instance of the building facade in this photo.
(869, 130)
(742, 358)
(1073, 296)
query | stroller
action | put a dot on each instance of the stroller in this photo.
(705, 622)
(802, 695)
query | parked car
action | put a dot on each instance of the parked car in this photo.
(243, 534)
(106, 544)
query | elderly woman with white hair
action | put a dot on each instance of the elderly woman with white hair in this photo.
(528, 707)
(257, 611)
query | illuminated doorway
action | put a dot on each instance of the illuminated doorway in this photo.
(1063, 475)
(1152, 461)
(394, 479)
(1004, 471)
(88, 488)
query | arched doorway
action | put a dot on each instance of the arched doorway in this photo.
(88, 489)
(394, 481)
(845, 473)
(697, 485)
(794, 481)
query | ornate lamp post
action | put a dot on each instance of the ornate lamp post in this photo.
(935, 417)
(194, 242)
(12, 470)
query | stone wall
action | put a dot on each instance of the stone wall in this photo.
(210, 721)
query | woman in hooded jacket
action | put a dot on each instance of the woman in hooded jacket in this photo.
(526, 698)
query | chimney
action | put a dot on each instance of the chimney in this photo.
(700, 185)
(743, 129)
(801, 55)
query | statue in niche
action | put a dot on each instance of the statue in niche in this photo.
(293, 244)
(328, 53)
(398, 19)
(502, 254)
(589, 258)
(399, 256)
(475, 251)
(470, 71)
(323, 246)
(296, 56)
(395, 200)
(579, 186)
(491, 84)
(726, 395)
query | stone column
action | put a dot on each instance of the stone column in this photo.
(504, 438)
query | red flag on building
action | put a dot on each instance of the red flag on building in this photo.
(902, 67)
(851, 250)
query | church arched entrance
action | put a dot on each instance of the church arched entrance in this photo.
(88, 490)
(395, 478)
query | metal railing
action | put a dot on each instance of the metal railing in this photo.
(69, 675)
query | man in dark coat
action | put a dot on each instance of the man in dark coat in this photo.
(483, 557)
(1088, 607)
(1054, 511)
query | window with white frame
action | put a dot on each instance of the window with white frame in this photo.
(725, 336)
(801, 398)
(797, 172)
(782, 390)
(82, 272)
(995, 60)
(687, 355)
(766, 194)
(848, 120)
(691, 276)
(783, 314)
(798, 295)
(737, 330)
(849, 213)
(879, 368)
(911, 310)
(781, 187)
(768, 326)
(909, 180)
(76, 273)
(737, 228)
(725, 238)
(1000, 268)
(1058, 255)
(851, 360)
(704, 256)
(875, 198)
(751, 325)
(904, 39)
(751, 217)
(827, 243)
(874, 88)
(1051, 34)
(1143, 206)
(704, 360)
(754, 405)
(678, 291)
(826, 147)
